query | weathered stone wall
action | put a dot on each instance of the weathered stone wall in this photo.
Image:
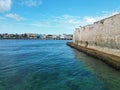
(103, 35)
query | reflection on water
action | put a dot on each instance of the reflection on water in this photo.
(52, 65)
(110, 76)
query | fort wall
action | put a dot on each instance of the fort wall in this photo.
(103, 35)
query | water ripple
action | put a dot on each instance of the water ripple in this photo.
(52, 65)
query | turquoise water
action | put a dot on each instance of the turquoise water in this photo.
(52, 65)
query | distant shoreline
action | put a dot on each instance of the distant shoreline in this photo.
(35, 39)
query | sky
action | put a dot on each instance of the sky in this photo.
(53, 16)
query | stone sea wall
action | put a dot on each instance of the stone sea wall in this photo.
(103, 35)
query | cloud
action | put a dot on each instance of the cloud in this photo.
(69, 22)
(63, 22)
(5, 5)
(73, 21)
(30, 3)
(110, 13)
(68, 19)
(41, 24)
(14, 16)
(2, 18)
(90, 19)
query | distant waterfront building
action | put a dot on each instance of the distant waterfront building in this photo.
(66, 36)
(39, 36)
(43, 36)
(36, 36)
(55, 37)
(49, 36)
(32, 35)
(62, 36)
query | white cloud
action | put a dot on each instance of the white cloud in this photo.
(90, 19)
(69, 22)
(41, 24)
(14, 16)
(5, 5)
(30, 3)
(68, 19)
(73, 21)
(65, 23)
(110, 13)
(2, 18)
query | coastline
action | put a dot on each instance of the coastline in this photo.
(36, 39)
(109, 59)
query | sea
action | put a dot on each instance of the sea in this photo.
(52, 65)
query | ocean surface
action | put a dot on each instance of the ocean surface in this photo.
(52, 65)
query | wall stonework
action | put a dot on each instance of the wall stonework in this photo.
(103, 35)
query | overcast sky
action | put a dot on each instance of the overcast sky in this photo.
(52, 16)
